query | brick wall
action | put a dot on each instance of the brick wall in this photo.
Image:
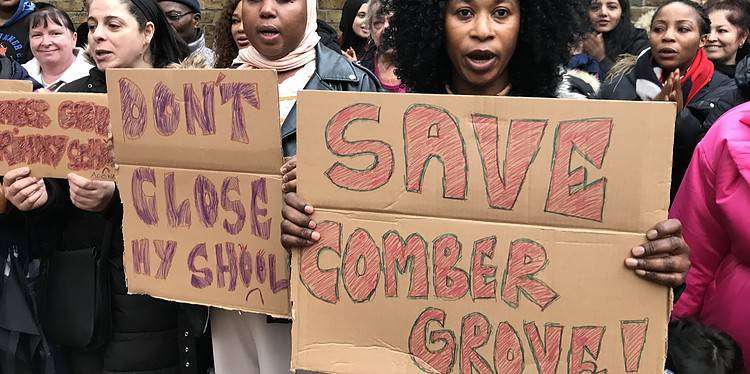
(328, 10)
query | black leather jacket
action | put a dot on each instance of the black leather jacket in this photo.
(333, 72)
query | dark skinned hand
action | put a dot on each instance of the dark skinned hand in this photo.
(664, 258)
(297, 227)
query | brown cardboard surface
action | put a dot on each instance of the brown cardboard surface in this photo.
(16, 86)
(513, 268)
(202, 211)
(56, 134)
(207, 119)
(636, 191)
(225, 253)
(582, 282)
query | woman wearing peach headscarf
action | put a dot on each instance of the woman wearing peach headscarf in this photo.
(282, 38)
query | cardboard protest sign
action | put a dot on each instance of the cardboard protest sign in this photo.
(481, 234)
(8, 85)
(56, 134)
(199, 154)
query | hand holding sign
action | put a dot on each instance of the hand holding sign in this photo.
(23, 191)
(92, 196)
(665, 258)
(297, 228)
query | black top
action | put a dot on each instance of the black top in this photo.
(633, 44)
(692, 122)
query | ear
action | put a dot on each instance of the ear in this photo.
(703, 41)
(196, 19)
(75, 38)
(148, 31)
(743, 38)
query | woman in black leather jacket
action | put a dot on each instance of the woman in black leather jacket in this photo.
(283, 38)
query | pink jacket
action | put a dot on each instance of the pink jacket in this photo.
(713, 204)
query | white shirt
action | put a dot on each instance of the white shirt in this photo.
(79, 69)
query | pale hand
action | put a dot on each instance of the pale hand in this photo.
(24, 191)
(89, 195)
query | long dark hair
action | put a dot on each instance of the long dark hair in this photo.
(617, 40)
(165, 47)
(348, 14)
(224, 45)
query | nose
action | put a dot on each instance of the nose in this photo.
(669, 35)
(712, 37)
(481, 29)
(268, 9)
(98, 34)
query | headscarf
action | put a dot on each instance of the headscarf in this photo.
(303, 54)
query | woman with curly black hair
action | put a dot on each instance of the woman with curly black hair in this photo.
(230, 36)
(482, 47)
(491, 47)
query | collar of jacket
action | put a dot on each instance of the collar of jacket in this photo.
(331, 70)
(332, 67)
(198, 43)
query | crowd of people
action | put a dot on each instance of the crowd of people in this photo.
(61, 239)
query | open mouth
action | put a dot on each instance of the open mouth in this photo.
(481, 59)
(268, 32)
(243, 42)
(667, 53)
(102, 54)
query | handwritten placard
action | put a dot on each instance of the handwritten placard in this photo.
(56, 134)
(479, 234)
(199, 154)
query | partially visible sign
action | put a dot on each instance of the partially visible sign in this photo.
(55, 134)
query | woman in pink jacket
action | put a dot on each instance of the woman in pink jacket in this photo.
(713, 204)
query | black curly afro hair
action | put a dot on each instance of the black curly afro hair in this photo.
(548, 30)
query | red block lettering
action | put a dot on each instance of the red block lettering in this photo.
(525, 260)
(451, 282)
(483, 283)
(523, 144)
(431, 132)
(322, 283)
(585, 339)
(400, 255)
(546, 353)
(570, 194)
(441, 360)
(508, 353)
(475, 332)
(380, 170)
(361, 266)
